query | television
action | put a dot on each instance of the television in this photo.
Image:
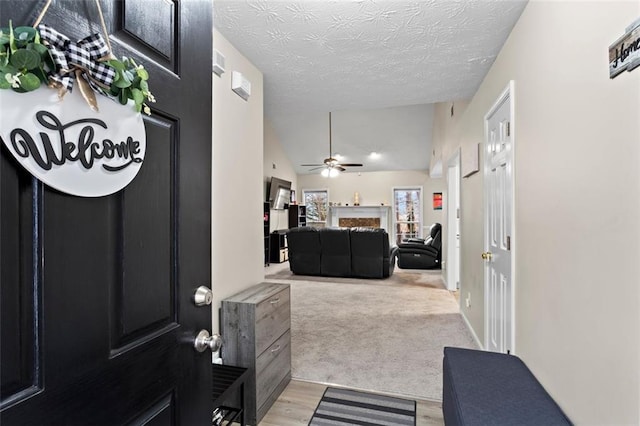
(279, 193)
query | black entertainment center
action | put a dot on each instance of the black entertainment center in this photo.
(275, 243)
(279, 249)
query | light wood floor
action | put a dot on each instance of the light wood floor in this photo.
(299, 400)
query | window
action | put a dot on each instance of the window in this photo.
(317, 202)
(407, 209)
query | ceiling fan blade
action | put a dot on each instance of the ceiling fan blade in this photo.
(318, 168)
(350, 165)
(310, 165)
(342, 169)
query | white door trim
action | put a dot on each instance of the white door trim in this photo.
(508, 92)
(452, 275)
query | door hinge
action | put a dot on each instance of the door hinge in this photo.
(457, 213)
(508, 128)
(508, 243)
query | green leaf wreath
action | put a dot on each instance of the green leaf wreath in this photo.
(25, 64)
(130, 82)
(24, 61)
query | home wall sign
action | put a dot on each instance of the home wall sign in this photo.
(70, 147)
(624, 53)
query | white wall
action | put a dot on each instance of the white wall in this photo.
(577, 206)
(237, 244)
(429, 186)
(357, 132)
(375, 188)
(274, 156)
(447, 118)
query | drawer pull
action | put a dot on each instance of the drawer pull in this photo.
(274, 301)
(276, 349)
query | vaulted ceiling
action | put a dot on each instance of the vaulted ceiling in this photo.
(377, 65)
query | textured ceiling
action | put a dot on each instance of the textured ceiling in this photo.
(339, 55)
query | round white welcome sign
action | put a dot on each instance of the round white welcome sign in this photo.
(70, 147)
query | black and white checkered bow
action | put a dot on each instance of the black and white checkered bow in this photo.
(84, 55)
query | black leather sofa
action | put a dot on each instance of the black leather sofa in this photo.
(418, 253)
(340, 252)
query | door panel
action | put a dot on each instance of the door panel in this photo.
(160, 413)
(97, 312)
(148, 252)
(453, 224)
(19, 294)
(133, 29)
(498, 193)
(147, 246)
(134, 13)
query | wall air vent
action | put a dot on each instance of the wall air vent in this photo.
(218, 63)
(240, 85)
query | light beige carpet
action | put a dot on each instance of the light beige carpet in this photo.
(428, 278)
(378, 335)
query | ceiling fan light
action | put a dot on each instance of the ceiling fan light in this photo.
(333, 173)
(325, 172)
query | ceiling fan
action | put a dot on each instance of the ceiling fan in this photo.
(331, 166)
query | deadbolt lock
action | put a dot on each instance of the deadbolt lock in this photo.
(203, 296)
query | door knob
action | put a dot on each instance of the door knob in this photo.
(203, 296)
(203, 341)
(487, 255)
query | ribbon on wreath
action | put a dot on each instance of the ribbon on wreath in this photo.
(81, 61)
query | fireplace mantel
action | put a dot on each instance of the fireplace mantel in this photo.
(381, 212)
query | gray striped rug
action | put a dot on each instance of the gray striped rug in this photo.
(349, 407)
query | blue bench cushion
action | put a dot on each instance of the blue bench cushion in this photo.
(488, 388)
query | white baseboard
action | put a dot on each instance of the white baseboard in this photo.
(473, 333)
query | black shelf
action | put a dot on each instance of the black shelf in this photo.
(228, 385)
(279, 251)
(266, 209)
(225, 416)
(297, 216)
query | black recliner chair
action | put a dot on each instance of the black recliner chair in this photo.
(371, 256)
(304, 250)
(418, 253)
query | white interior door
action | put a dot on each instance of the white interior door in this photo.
(498, 206)
(453, 224)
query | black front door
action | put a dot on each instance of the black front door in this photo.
(96, 294)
